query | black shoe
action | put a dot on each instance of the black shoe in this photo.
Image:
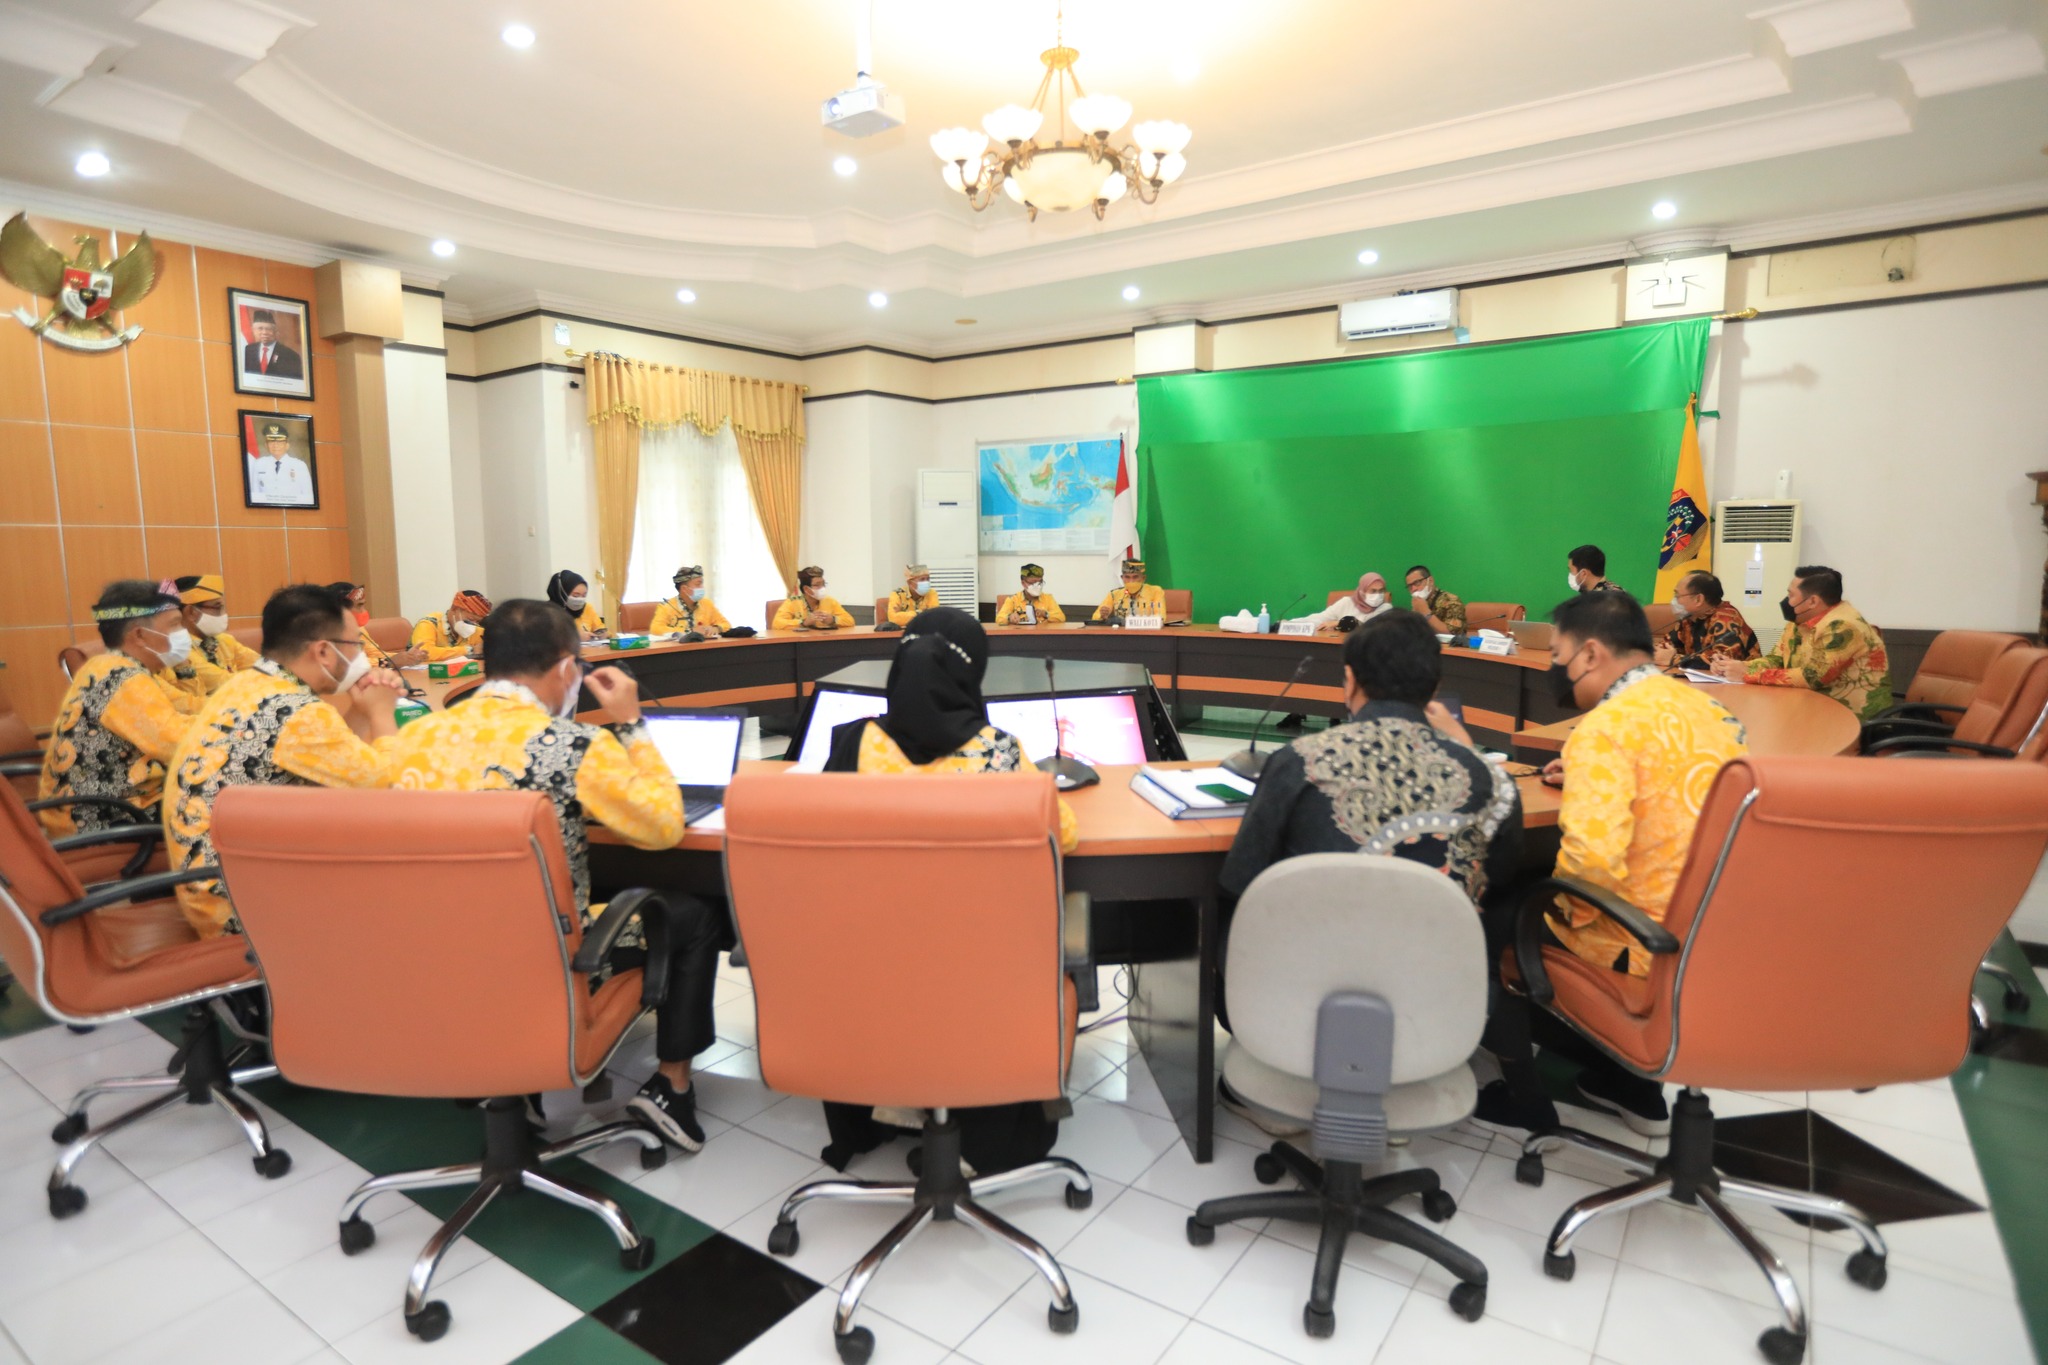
(1636, 1100)
(1291, 723)
(536, 1116)
(669, 1112)
(1499, 1105)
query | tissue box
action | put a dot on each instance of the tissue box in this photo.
(629, 642)
(408, 711)
(454, 668)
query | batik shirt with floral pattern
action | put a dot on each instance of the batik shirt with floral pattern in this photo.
(1722, 631)
(1148, 600)
(1448, 608)
(264, 728)
(115, 732)
(1841, 654)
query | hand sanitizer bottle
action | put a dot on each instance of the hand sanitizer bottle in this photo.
(1265, 620)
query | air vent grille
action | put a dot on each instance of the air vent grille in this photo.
(1759, 523)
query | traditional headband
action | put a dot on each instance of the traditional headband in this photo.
(475, 603)
(167, 597)
(1134, 566)
(204, 588)
(689, 571)
(1031, 571)
(915, 568)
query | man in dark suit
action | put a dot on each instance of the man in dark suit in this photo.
(265, 355)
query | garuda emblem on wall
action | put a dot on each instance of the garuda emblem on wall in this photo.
(82, 292)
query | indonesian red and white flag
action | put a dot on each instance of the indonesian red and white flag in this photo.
(1123, 512)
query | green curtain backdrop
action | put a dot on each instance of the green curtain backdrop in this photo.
(1487, 463)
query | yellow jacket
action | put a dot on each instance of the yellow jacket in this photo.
(790, 615)
(1010, 611)
(676, 616)
(263, 728)
(115, 731)
(903, 607)
(590, 620)
(432, 634)
(191, 683)
(224, 652)
(1149, 600)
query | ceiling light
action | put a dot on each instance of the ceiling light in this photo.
(443, 247)
(517, 35)
(1186, 67)
(92, 165)
(1130, 293)
(1078, 167)
(963, 322)
(878, 300)
(686, 296)
(844, 165)
(1663, 209)
(1368, 257)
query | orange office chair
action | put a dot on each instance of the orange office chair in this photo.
(947, 998)
(1495, 616)
(116, 951)
(473, 981)
(69, 660)
(2003, 717)
(1751, 989)
(21, 753)
(1951, 671)
(392, 633)
(635, 617)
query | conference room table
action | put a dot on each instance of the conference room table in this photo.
(1127, 850)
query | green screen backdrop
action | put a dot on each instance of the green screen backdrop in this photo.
(1487, 463)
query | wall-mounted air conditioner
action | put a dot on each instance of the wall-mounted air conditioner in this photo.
(1756, 548)
(946, 527)
(1434, 310)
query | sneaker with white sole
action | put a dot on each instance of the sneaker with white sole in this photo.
(669, 1112)
(1636, 1101)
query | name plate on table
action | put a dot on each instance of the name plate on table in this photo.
(1488, 646)
(1301, 627)
(1144, 623)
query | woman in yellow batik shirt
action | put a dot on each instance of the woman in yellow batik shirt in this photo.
(457, 633)
(571, 592)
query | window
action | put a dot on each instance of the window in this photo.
(694, 508)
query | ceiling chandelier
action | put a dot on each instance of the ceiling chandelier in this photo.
(1063, 176)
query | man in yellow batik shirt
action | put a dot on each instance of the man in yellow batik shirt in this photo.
(204, 597)
(1636, 771)
(914, 596)
(457, 633)
(518, 733)
(1135, 598)
(1827, 647)
(1031, 604)
(811, 607)
(121, 716)
(690, 609)
(276, 725)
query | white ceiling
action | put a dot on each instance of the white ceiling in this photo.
(642, 145)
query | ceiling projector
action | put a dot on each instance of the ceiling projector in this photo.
(863, 111)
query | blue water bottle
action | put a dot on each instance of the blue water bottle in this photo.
(1265, 620)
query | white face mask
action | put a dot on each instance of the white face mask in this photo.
(1032, 589)
(212, 625)
(577, 603)
(177, 647)
(1571, 580)
(1375, 600)
(464, 629)
(1678, 608)
(351, 675)
(816, 589)
(1424, 589)
(567, 710)
(922, 586)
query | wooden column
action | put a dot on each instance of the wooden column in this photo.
(2040, 478)
(361, 307)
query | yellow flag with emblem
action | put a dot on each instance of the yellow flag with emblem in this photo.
(1688, 532)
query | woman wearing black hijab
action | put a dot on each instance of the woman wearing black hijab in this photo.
(568, 590)
(938, 723)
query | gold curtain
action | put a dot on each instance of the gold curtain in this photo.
(767, 417)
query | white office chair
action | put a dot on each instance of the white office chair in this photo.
(1357, 992)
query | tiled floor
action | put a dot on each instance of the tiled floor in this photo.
(184, 1254)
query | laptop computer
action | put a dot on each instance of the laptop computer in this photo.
(702, 749)
(1530, 634)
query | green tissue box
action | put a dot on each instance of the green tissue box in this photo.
(454, 668)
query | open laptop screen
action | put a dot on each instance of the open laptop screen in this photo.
(701, 750)
(1098, 729)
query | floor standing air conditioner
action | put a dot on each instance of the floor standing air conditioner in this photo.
(1756, 548)
(946, 535)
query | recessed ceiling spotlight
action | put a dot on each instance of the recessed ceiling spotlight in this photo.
(1186, 67)
(517, 35)
(1663, 209)
(92, 165)
(1130, 293)
(442, 247)
(686, 295)
(964, 322)
(844, 165)
(878, 300)
(1368, 257)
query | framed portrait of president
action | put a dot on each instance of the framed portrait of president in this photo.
(272, 344)
(277, 460)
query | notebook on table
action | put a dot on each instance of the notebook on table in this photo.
(702, 750)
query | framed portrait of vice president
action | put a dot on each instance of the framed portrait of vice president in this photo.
(271, 344)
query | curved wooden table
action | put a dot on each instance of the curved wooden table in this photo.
(1779, 720)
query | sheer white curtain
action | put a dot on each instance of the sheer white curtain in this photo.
(694, 508)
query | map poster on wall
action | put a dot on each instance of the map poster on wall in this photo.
(1047, 497)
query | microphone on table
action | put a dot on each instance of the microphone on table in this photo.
(1067, 773)
(1248, 762)
(1284, 610)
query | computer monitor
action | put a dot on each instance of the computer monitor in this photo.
(1097, 729)
(702, 748)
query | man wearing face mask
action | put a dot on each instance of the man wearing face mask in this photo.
(279, 724)
(914, 596)
(1635, 773)
(1031, 604)
(206, 616)
(120, 718)
(355, 605)
(1585, 570)
(1708, 627)
(1827, 647)
(518, 733)
(690, 609)
(1444, 611)
(810, 607)
(457, 633)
